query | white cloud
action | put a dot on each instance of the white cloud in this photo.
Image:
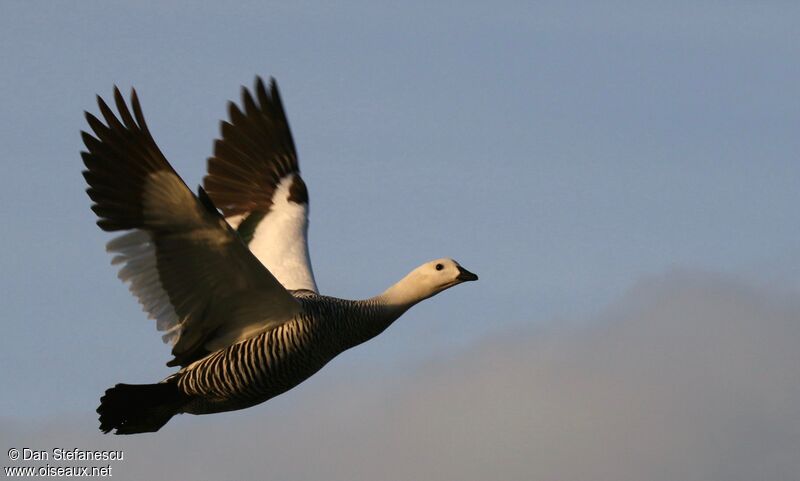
(689, 376)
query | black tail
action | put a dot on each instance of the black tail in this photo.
(139, 408)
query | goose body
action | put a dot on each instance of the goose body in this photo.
(226, 273)
(259, 368)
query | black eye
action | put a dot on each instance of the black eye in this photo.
(439, 267)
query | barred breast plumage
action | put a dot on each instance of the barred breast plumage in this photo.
(226, 273)
(257, 369)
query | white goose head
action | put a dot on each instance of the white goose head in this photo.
(425, 281)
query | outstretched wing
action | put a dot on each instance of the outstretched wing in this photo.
(183, 262)
(255, 180)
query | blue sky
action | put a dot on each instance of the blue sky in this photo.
(564, 151)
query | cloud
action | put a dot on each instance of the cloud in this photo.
(688, 376)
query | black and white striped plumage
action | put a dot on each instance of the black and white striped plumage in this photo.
(233, 291)
(254, 370)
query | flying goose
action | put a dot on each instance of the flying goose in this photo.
(226, 273)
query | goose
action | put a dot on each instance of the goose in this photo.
(226, 273)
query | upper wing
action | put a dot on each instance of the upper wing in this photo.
(188, 268)
(254, 179)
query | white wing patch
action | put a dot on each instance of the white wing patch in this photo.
(280, 239)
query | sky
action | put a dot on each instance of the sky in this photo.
(621, 175)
